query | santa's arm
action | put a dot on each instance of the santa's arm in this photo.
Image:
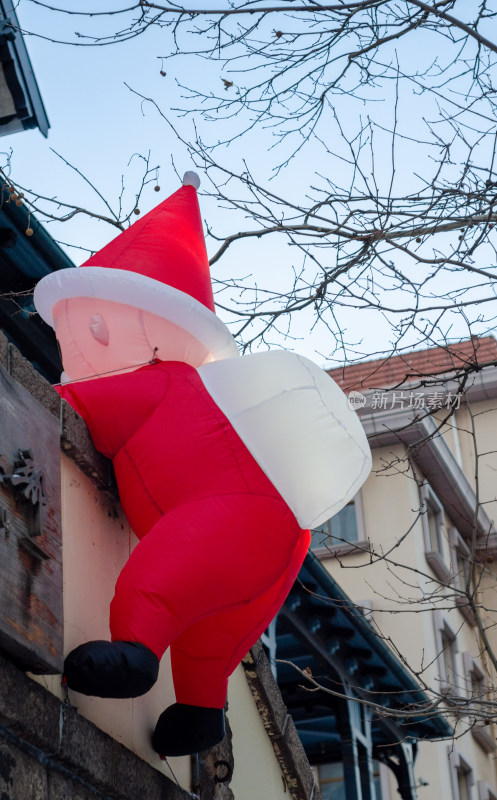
(66, 393)
(85, 397)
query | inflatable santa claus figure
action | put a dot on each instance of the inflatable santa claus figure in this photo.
(222, 464)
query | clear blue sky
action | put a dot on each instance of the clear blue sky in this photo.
(98, 125)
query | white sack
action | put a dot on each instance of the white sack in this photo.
(297, 424)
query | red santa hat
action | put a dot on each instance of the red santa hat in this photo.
(159, 264)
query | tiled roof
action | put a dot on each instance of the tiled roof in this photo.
(392, 371)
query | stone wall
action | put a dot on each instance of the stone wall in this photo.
(49, 752)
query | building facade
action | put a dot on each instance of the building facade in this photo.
(415, 551)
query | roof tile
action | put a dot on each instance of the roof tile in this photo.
(393, 371)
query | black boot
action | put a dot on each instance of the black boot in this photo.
(182, 730)
(111, 669)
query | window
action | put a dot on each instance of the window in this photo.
(477, 685)
(462, 558)
(448, 657)
(331, 781)
(343, 532)
(462, 776)
(461, 570)
(476, 688)
(446, 644)
(463, 783)
(342, 527)
(475, 677)
(433, 520)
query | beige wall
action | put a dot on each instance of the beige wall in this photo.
(488, 588)
(256, 771)
(483, 418)
(390, 502)
(390, 506)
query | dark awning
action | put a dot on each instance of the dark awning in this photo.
(23, 261)
(321, 629)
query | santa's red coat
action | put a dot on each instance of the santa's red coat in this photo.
(219, 547)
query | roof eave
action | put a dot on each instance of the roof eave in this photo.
(22, 61)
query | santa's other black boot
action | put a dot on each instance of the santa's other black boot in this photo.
(111, 669)
(182, 730)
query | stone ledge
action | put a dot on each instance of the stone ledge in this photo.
(75, 440)
(62, 746)
(279, 726)
(22, 371)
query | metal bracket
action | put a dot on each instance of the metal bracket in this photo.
(33, 549)
(7, 31)
(229, 771)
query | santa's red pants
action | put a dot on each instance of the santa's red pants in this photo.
(205, 572)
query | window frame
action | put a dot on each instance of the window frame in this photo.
(459, 548)
(380, 779)
(458, 765)
(444, 630)
(344, 548)
(434, 558)
(480, 732)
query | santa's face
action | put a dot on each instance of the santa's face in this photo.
(99, 337)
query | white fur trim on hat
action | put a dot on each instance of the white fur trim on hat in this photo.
(139, 291)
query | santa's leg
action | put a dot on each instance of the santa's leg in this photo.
(203, 658)
(198, 559)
